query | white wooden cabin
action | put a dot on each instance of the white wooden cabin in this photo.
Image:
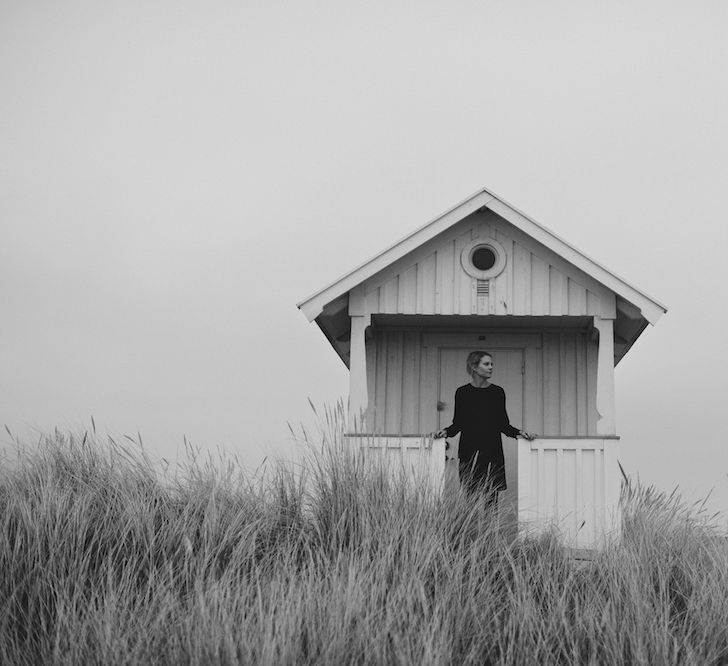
(485, 276)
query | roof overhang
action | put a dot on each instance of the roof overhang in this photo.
(329, 306)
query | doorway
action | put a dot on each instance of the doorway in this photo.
(508, 373)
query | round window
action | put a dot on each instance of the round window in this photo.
(483, 258)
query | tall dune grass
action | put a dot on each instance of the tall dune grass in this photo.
(332, 562)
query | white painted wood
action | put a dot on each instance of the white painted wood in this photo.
(612, 487)
(539, 286)
(508, 233)
(407, 297)
(582, 425)
(521, 304)
(445, 271)
(432, 279)
(533, 390)
(357, 301)
(411, 384)
(558, 295)
(358, 392)
(651, 309)
(577, 298)
(426, 281)
(372, 300)
(429, 390)
(417, 458)
(551, 384)
(393, 406)
(380, 399)
(479, 340)
(527, 508)
(593, 305)
(567, 371)
(371, 361)
(388, 296)
(605, 402)
(464, 286)
(592, 350)
(579, 521)
(571, 485)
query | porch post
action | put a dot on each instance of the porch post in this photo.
(607, 423)
(358, 397)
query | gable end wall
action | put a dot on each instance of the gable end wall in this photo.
(535, 281)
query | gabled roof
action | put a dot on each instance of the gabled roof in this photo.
(649, 308)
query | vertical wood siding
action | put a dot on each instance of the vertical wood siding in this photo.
(570, 484)
(559, 387)
(431, 279)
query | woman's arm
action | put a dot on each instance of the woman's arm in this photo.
(455, 427)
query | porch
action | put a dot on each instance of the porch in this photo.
(569, 484)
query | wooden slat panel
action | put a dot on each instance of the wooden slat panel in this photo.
(551, 388)
(411, 382)
(429, 387)
(612, 484)
(371, 351)
(559, 488)
(558, 262)
(393, 410)
(445, 273)
(588, 498)
(499, 299)
(592, 352)
(381, 383)
(579, 493)
(539, 286)
(577, 298)
(571, 487)
(502, 300)
(477, 304)
(593, 304)
(558, 294)
(372, 301)
(463, 283)
(521, 280)
(426, 274)
(542, 490)
(526, 497)
(567, 489)
(388, 296)
(568, 383)
(551, 483)
(599, 478)
(533, 391)
(483, 228)
(408, 291)
(582, 427)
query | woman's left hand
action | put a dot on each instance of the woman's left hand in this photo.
(527, 435)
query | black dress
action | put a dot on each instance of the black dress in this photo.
(480, 417)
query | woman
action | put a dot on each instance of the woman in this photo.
(480, 417)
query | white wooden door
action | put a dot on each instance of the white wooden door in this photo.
(508, 373)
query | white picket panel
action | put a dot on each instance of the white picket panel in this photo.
(570, 484)
(420, 456)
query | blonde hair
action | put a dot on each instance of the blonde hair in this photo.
(474, 358)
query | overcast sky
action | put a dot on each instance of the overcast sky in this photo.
(176, 176)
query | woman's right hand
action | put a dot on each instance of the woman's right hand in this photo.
(440, 434)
